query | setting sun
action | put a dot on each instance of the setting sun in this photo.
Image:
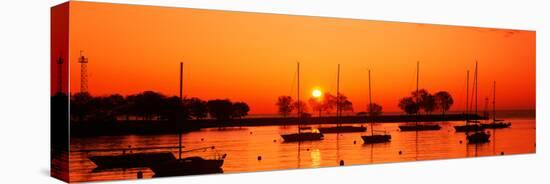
(316, 93)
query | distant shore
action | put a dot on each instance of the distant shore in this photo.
(152, 127)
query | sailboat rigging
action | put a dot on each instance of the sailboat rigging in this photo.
(371, 139)
(497, 123)
(416, 126)
(301, 136)
(187, 165)
(470, 125)
(479, 136)
(339, 128)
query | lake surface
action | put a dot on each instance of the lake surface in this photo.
(244, 145)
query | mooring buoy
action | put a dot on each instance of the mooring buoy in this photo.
(139, 175)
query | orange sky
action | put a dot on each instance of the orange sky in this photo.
(252, 57)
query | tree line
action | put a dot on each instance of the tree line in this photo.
(427, 102)
(150, 105)
(421, 100)
(327, 103)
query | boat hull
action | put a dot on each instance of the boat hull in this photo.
(478, 137)
(187, 166)
(342, 129)
(496, 125)
(372, 139)
(296, 137)
(468, 128)
(132, 160)
(406, 128)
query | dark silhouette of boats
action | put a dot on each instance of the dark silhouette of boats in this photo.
(405, 128)
(470, 126)
(373, 138)
(188, 166)
(497, 123)
(478, 136)
(134, 160)
(164, 163)
(342, 129)
(339, 128)
(301, 136)
(416, 126)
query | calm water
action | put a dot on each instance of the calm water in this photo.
(244, 145)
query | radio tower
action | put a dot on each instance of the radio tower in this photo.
(83, 73)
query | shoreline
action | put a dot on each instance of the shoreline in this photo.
(155, 127)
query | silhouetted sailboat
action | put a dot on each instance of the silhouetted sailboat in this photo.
(131, 160)
(339, 128)
(189, 165)
(497, 123)
(416, 126)
(479, 136)
(162, 163)
(301, 136)
(372, 138)
(470, 125)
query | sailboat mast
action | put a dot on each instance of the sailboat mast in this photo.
(182, 103)
(298, 98)
(467, 95)
(475, 87)
(370, 107)
(494, 100)
(417, 78)
(338, 110)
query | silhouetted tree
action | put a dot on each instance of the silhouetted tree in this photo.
(375, 109)
(240, 109)
(99, 111)
(425, 100)
(129, 107)
(114, 105)
(149, 104)
(220, 109)
(284, 104)
(316, 105)
(80, 105)
(329, 102)
(409, 105)
(444, 101)
(303, 107)
(172, 109)
(344, 103)
(197, 107)
(429, 104)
